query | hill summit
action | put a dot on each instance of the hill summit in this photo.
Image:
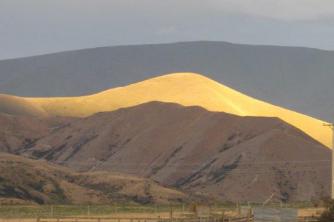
(187, 89)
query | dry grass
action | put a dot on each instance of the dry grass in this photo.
(309, 212)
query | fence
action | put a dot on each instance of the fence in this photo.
(308, 219)
(249, 218)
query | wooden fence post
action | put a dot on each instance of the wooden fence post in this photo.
(51, 211)
(171, 213)
(249, 216)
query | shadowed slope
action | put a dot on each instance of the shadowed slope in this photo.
(227, 156)
(19, 132)
(29, 181)
(186, 89)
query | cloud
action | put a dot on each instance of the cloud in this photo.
(43, 26)
(166, 30)
(278, 9)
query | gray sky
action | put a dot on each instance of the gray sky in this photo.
(30, 27)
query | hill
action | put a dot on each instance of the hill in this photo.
(25, 181)
(293, 77)
(187, 89)
(19, 106)
(19, 132)
(219, 154)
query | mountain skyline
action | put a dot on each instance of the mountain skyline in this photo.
(296, 78)
(54, 26)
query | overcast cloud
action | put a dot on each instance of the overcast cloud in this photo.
(29, 27)
(279, 9)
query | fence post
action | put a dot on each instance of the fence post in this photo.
(171, 213)
(249, 215)
(51, 211)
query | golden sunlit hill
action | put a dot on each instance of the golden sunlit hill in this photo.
(19, 106)
(187, 89)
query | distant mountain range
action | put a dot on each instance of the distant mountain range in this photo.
(297, 78)
(182, 130)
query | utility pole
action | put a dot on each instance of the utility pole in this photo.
(331, 125)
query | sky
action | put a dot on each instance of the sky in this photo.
(32, 27)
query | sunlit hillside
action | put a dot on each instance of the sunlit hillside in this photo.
(184, 88)
(19, 106)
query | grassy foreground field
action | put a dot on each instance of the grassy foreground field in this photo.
(34, 211)
(124, 211)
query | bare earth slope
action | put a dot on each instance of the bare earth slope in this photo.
(186, 89)
(19, 132)
(29, 181)
(227, 156)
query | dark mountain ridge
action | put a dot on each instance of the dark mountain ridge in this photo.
(294, 77)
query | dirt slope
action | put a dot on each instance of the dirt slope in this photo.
(29, 181)
(19, 132)
(227, 156)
